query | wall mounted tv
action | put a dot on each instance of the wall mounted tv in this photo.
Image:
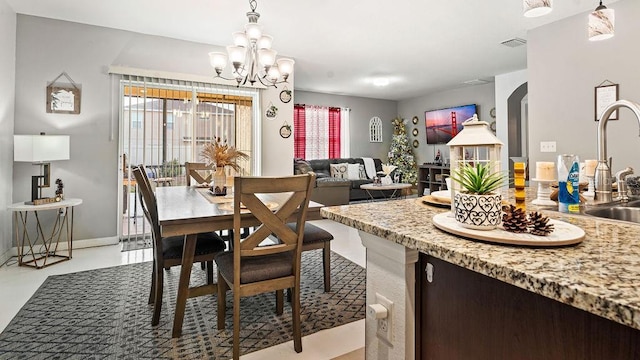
(444, 124)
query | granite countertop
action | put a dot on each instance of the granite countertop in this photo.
(600, 275)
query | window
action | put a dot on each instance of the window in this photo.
(320, 132)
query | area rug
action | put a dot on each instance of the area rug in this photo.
(103, 314)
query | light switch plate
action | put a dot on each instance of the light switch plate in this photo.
(547, 146)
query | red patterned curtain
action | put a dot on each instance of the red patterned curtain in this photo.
(316, 133)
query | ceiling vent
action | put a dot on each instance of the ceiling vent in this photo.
(515, 42)
(476, 82)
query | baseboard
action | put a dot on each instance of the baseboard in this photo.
(78, 244)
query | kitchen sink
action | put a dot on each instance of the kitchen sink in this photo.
(620, 211)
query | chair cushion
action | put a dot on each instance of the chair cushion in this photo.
(256, 268)
(312, 233)
(208, 243)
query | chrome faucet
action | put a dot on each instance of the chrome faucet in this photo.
(603, 171)
(621, 178)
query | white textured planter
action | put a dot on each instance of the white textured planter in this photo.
(480, 212)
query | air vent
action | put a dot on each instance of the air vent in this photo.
(515, 42)
(476, 82)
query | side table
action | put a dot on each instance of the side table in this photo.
(396, 187)
(34, 247)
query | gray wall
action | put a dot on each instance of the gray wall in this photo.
(7, 101)
(362, 110)
(47, 47)
(481, 95)
(564, 67)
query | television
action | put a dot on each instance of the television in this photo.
(443, 124)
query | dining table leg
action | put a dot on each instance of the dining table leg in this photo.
(188, 253)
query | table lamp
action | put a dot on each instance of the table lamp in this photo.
(40, 150)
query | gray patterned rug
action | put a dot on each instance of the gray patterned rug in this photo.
(103, 314)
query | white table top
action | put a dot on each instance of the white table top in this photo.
(21, 206)
(393, 186)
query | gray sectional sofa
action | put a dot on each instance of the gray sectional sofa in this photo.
(335, 191)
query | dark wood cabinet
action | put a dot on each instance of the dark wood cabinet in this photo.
(431, 176)
(462, 314)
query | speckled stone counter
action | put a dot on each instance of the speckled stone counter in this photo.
(601, 275)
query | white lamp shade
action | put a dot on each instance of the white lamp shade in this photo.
(601, 24)
(240, 39)
(535, 8)
(40, 148)
(267, 57)
(285, 66)
(237, 54)
(218, 60)
(253, 31)
(265, 42)
(273, 74)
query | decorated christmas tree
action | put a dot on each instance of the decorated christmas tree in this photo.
(401, 154)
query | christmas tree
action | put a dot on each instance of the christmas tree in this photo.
(401, 154)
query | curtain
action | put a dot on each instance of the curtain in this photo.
(317, 132)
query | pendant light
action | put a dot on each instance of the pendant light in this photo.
(601, 23)
(535, 8)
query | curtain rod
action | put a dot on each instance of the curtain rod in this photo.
(330, 107)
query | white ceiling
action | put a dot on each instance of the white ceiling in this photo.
(339, 46)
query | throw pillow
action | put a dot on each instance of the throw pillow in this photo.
(339, 170)
(363, 173)
(303, 167)
(353, 171)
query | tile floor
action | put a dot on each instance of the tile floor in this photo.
(17, 285)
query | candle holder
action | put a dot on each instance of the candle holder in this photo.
(591, 189)
(544, 193)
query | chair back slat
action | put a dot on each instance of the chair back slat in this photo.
(298, 188)
(193, 169)
(149, 205)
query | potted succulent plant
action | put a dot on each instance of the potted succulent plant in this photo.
(478, 205)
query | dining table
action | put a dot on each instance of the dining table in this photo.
(189, 210)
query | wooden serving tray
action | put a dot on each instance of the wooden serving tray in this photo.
(563, 233)
(434, 201)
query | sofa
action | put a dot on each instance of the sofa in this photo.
(333, 190)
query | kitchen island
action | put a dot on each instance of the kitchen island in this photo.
(599, 279)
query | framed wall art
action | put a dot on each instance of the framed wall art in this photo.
(63, 98)
(605, 94)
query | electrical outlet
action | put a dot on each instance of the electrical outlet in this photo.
(547, 146)
(385, 325)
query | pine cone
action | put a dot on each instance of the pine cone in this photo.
(514, 219)
(539, 224)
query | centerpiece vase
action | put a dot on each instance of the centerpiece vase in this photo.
(219, 185)
(479, 212)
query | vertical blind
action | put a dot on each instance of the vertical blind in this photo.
(165, 123)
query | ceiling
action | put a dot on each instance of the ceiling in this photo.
(341, 46)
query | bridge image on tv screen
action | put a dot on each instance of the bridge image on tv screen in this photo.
(443, 124)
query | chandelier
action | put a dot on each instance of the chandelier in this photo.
(252, 57)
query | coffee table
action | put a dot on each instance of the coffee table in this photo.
(396, 187)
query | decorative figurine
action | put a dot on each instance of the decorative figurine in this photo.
(59, 190)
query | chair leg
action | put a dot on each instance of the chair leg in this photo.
(152, 293)
(279, 302)
(236, 325)
(157, 303)
(209, 271)
(203, 266)
(295, 313)
(222, 301)
(326, 264)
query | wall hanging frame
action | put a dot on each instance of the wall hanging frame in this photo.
(415, 120)
(285, 130)
(605, 94)
(285, 95)
(415, 132)
(63, 98)
(416, 143)
(375, 129)
(272, 112)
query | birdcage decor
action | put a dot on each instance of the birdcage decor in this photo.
(475, 144)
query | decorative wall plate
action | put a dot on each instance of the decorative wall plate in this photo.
(415, 132)
(415, 120)
(285, 95)
(415, 143)
(492, 113)
(271, 112)
(285, 131)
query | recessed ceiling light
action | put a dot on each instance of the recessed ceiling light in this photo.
(381, 82)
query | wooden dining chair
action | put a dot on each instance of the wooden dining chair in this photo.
(167, 252)
(252, 269)
(195, 170)
(318, 238)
